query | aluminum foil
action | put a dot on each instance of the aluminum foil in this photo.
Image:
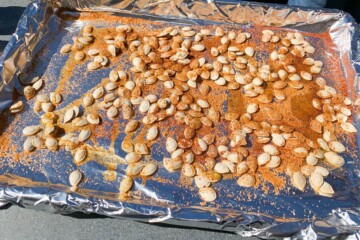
(266, 216)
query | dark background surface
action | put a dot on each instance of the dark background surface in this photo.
(19, 223)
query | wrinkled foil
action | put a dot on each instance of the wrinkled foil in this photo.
(333, 217)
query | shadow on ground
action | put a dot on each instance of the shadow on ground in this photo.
(9, 17)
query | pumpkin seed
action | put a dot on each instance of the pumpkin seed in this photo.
(131, 126)
(93, 118)
(38, 84)
(326, 190)
(242, 168)
(80, 155)
(88, 100)
(316, 180)
(55, 98)
(323, 171)
(311, 159)
(126, 184)
(246, 180)
(17, 107)
(221, 168)
(188, 170)
(307, 170)
(172, 164)
(31, 130)
(334, 159)
(202, 181)
(299, 181)
(29, 92)
(171, 144)
(66, 48)
(132, 157)
(84, 135)
(207, 194)
(198, 47)
(148, 170)
(74, 179)
(348, 127)
(28, 145)
(249, 51)
(134, 169)
(263, 158)
(69, 115)
(144, 106)
(177, 153)
(271, 149)
(36, 142)
(98, 92)
(337, 146)
(300, 152)
(252, 108)
(47, 107)
(112, 50)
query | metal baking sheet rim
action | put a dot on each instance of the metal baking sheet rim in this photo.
(340, 221)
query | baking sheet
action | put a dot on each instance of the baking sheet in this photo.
(44, 183)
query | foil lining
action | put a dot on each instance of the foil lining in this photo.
(48, 191)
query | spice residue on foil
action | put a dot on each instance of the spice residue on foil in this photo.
(227, 103)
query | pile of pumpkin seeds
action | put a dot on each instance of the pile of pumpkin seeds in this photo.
(232, 66)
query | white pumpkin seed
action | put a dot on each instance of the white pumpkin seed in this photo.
(311, 159)
(271, 149)
(263, 158)
(337, 146)
(326, 190)
(246, 180)
(172, 164)
(249, 51)
(207, 194)
(88, 100)
(84, 135)
(38, 84)
(299, 181)
(93, 118)
(171, 144)
(274, 162)
(80, 155)
(17, 107)
(132, 157)
(348, 127)
(98, 92)
(177, 153)
(28, 145)
(323, 171)
(74, 179)
(55, 98)
(252, 108)
(31, 130)
(202, 181)
(148, 170)
(334, 160)
(198, 47)
(134, 169)
(144, 106)
(316, 180)
(221, 168)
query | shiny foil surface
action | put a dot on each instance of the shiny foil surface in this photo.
(43, 185)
